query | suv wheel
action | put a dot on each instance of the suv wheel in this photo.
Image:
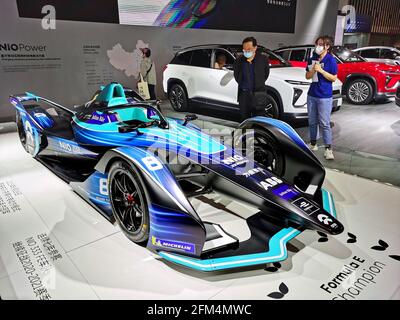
(178, 98)
(360, 91)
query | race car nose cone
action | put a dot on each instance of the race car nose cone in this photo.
(335, 228)
(329, 224)
(338, 230)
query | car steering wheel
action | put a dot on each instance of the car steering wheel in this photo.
(125, 128)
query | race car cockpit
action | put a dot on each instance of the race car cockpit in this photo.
(110, 111)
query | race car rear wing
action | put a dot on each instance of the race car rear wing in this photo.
(18, 99)
(25, 97)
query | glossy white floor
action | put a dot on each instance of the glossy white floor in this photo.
(86, 257)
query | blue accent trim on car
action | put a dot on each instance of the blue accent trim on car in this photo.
(43, 120)
(95, 190)
(328, 203)
(177, 137)
(32, 96)
(277, 252)
(70, 147)
(150, 164)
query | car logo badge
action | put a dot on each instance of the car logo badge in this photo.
(325, 219)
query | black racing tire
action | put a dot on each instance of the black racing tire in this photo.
(264, 148)
(360, 92)
(272, 108)
(129, 201)
(178, 97)
(21, 130)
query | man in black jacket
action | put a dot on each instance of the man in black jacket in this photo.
(251, 70)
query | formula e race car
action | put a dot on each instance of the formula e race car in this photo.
(194, 199)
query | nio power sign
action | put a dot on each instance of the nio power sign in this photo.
(22, 47)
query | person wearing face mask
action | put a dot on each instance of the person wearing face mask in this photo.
(251, 70)
(322, 69)
(148, 71)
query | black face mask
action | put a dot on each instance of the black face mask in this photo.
(146, 54)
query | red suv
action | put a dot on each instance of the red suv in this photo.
(362, 81)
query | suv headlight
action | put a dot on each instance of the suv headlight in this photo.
(391, 73)
(298, 83)
(296, 95)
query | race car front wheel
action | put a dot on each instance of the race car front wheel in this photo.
(258, 144)
(267, 152)
(128, 201)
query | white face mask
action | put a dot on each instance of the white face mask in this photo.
(319, 49)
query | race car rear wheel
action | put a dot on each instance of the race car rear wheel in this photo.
(21, 130)
(27, 136)
(128, 201)
(267, 152)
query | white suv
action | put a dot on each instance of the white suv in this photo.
(192, 83)
(387, 55)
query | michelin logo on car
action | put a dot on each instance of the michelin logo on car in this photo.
(188, 247)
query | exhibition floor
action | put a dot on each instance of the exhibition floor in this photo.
(88, 258)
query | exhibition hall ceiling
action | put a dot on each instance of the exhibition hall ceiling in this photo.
(265, 16)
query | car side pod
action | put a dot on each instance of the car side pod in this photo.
(277, 248)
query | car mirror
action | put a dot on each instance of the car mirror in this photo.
(190, 117)
(228, 67)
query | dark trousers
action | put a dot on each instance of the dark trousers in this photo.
(246, 104)
(152, 91)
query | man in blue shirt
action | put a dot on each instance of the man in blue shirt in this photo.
(322, 69)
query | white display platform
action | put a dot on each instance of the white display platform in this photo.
(53, 245)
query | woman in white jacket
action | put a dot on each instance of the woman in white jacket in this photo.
(148, 71)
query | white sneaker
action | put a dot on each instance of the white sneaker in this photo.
(313, 147)
(329, 154)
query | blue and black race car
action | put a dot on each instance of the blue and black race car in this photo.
(144, 171)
